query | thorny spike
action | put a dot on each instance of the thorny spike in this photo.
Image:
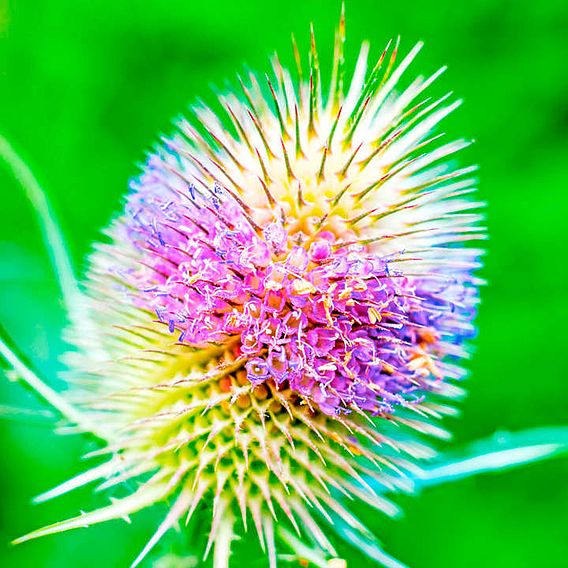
(252, 107)
(394, 134)
(178, 509)
(239, 126)
(312, 107)
(258, 128)
(338, 72)
(391, 172)
(328, 146)
(226, 149)
(270, 544)
(349, 136)
(283, 130)
(342, 174)
(289, 171)
(367, 93)
(263, 167)
(269, 196)
(300, 195)
(279, 73)
(297, 58)
(314, 66)
(321, 175)
(392, 60)
(299, 151)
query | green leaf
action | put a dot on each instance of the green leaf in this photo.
(502, 451)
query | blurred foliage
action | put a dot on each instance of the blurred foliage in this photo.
(85, 87)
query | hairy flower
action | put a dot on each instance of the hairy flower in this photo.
(282, 305)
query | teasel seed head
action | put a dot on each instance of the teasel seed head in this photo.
(281, 310)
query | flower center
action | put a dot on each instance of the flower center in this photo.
(324, 318)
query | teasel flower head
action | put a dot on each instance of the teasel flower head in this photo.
(280, 311)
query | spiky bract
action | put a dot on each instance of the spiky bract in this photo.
(287, 283)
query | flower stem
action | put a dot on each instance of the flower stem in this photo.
(25, 373)
(51, 231)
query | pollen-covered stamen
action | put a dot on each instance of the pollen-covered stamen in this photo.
(328, 319)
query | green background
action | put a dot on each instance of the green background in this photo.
(85, 87)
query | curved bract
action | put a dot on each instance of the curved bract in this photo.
(282, 307)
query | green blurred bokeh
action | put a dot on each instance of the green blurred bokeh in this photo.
(85, 87)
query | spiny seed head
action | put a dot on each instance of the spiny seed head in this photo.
(287, 282)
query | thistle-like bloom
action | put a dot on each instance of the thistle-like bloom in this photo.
(281, 307)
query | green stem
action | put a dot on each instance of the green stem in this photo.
(50, 230)
(54, 399)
